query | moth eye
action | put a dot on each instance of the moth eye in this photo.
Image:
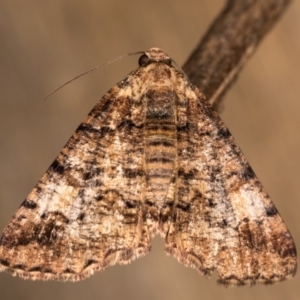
(143, 60)
(168, 61)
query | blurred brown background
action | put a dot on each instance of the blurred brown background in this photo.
(45, 43)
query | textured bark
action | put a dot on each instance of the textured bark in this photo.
(229, 42)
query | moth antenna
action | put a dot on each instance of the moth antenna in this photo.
(89, 71)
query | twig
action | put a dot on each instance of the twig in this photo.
(229, 42)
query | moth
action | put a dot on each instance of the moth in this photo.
(152, 157)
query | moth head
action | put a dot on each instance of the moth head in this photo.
(154, 55)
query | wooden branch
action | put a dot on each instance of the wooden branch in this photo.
(229, 42)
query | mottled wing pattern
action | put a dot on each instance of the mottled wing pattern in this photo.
(224, 221)
(86, 211)
(151, 157)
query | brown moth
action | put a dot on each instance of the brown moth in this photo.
(152, 157)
